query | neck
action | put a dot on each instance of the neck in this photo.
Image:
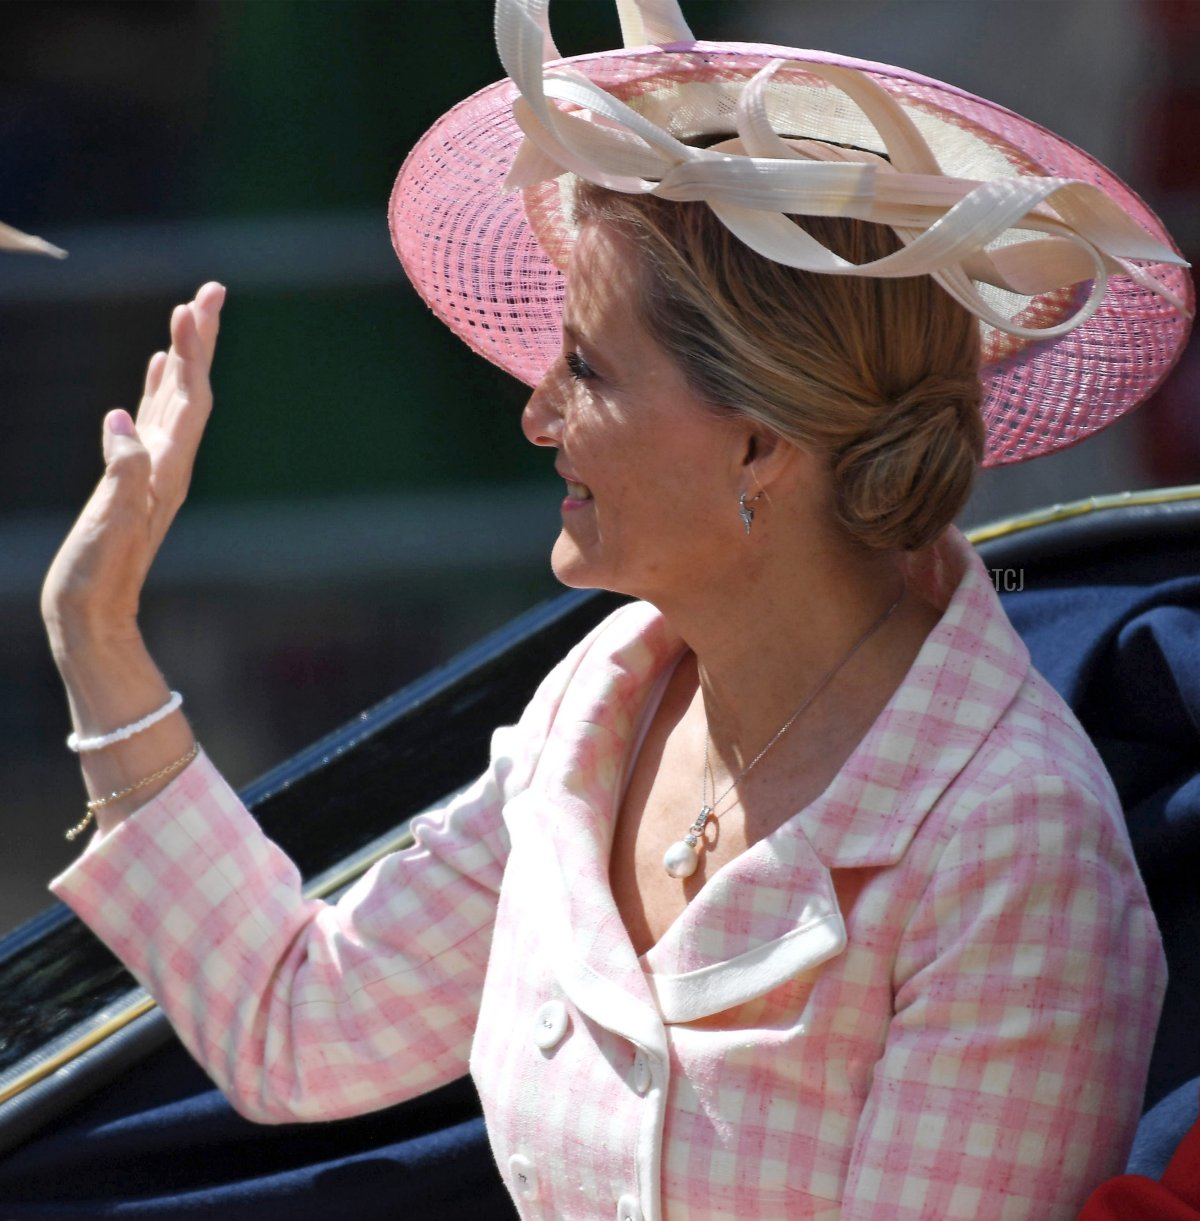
(769, 635)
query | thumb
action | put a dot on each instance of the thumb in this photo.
(125, 457)
(120, 435)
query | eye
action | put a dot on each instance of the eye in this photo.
(579, 368)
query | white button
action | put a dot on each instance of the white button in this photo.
(628, 1209)
(550, 1024)
(523, 1175)
(642, 1076)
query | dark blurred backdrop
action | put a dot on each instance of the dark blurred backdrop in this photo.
(365, 503)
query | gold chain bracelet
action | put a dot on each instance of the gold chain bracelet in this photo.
(98, 803)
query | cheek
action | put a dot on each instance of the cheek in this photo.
(604, 455)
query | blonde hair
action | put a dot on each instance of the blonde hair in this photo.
(882, 376)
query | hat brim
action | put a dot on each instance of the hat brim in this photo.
(472, 254)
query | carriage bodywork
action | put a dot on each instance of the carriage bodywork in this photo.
(1106, 593)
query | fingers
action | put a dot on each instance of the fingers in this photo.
(162, 383)
(154, 374)
(192, 356)
(206, 309)
(205, 315)
(185, 366)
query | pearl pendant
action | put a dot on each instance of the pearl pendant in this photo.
(680, 859)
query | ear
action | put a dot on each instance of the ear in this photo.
(769, 460)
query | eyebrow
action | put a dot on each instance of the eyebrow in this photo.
(574, 333)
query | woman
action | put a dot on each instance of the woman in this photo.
(795, 891)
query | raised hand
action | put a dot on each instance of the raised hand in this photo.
(92, 590)
(90, 597)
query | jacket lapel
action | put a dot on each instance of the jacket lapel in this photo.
(574, 797)
(767, 916)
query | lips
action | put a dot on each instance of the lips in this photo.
(575, 489)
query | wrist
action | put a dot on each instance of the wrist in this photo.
(110, 681)
(80, 639)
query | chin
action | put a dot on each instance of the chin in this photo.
(570, 569)
(573, 569)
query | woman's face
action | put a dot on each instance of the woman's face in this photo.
(652, 473)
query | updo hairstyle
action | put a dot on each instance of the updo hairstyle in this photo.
(882, 376)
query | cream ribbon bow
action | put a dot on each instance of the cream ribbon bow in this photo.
(755, 182)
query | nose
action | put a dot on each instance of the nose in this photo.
(541, 420)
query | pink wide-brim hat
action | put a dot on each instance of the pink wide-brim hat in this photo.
(471, 250)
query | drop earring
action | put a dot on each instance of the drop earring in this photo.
(745, 512)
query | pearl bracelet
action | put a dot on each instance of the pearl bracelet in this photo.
(80, 745)
(98, 803)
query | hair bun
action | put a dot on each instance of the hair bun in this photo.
(895, 481)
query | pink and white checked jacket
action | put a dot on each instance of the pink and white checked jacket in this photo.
(959, 1029)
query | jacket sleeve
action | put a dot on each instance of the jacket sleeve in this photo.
(297, 1008)
(1027, 993)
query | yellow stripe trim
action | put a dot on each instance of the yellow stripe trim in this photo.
(1079, 508)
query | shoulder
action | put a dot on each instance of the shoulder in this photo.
(1037, 793)
(1025, 744)
(1039, 731)
(1004, 785)
(621, 653)
(1038, 765)
(631, 638)
(632, 625)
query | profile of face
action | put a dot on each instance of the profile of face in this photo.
(652, 472)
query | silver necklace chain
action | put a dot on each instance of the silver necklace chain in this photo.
(824, 682)
(687, 845)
